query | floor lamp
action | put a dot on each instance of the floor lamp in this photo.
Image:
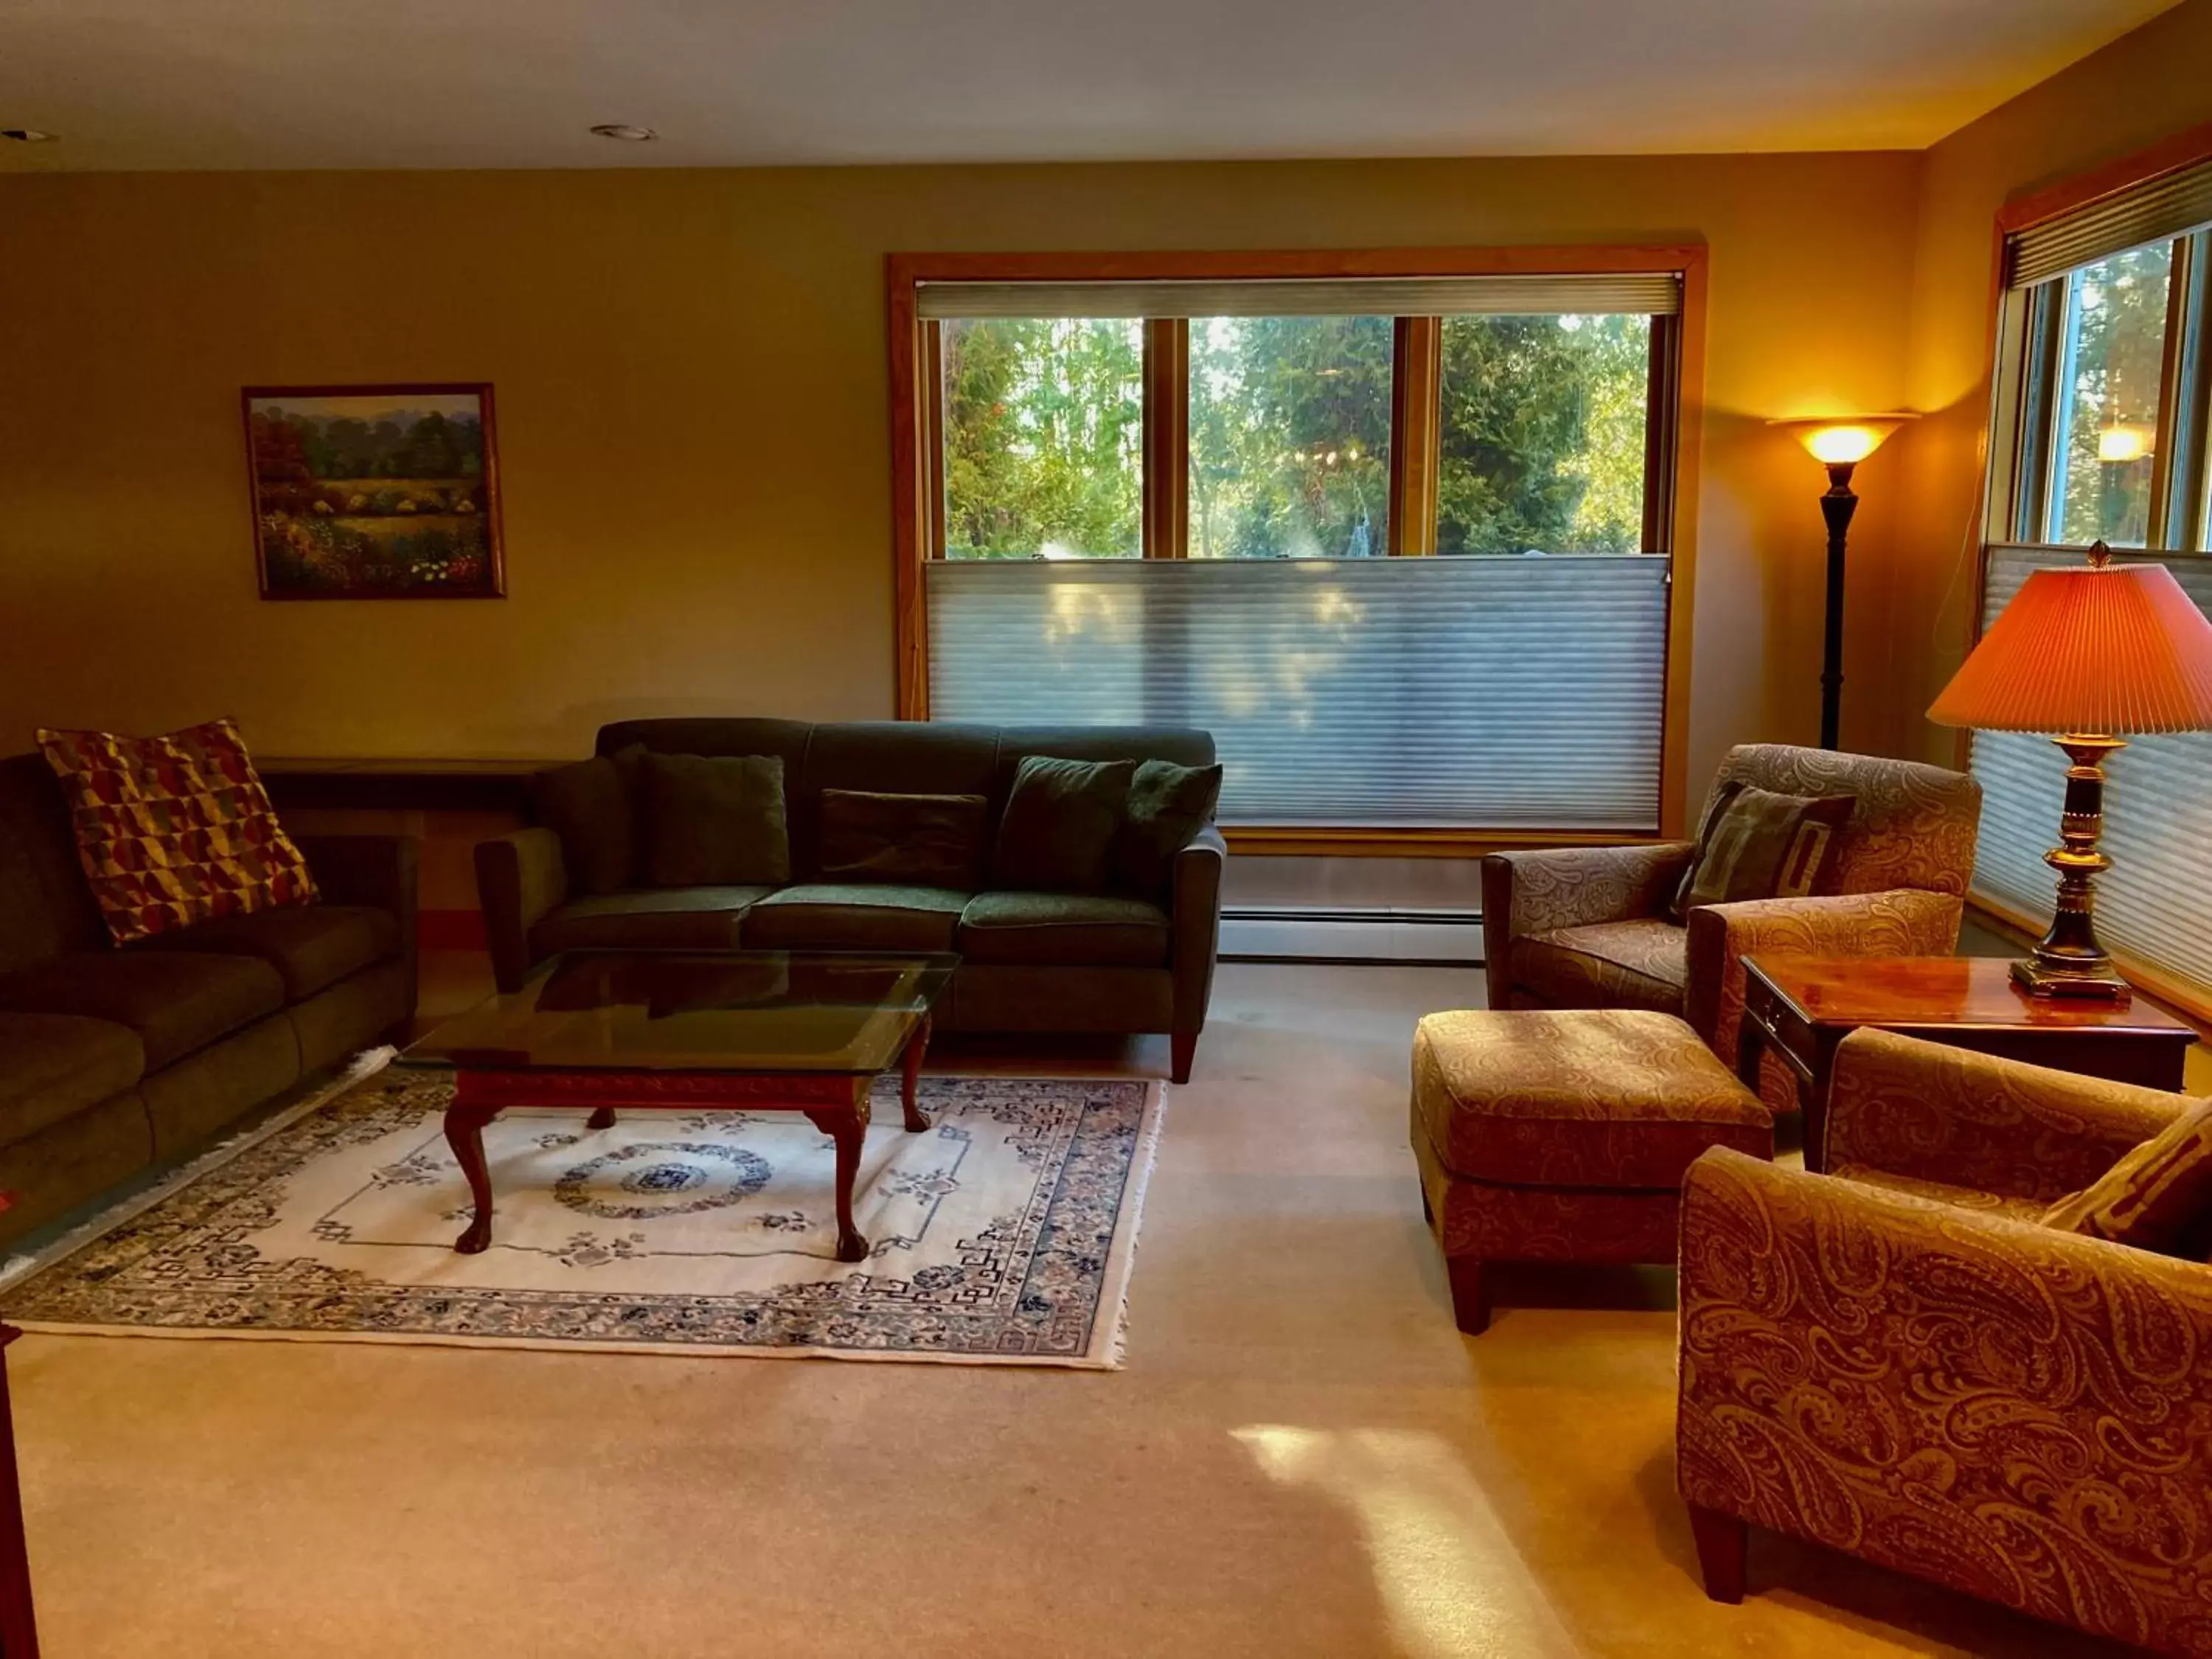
(2086, 653)
(1839, 442)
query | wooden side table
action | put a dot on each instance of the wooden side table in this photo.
(1801, 1007)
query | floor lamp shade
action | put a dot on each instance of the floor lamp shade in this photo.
(2087, 655)
(2109, 648)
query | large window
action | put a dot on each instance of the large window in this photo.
(2104, 424)
(1286, 433)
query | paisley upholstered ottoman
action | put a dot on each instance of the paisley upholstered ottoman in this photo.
(1563, 1135)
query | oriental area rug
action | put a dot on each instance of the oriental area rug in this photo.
(1004, 1234)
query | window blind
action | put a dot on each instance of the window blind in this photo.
(1657, 293)
(1511, 693)
(2172, 205)
(2155, 903)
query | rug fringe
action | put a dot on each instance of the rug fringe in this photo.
(362, 1066)
(1152, 1122)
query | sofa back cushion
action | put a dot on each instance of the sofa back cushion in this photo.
(1911, 825)
(925, 841)
(45, 908)
(174, 829)
(593, 806)
(1167, 805)
(888, 757)
(714, 821)
(1058, 831)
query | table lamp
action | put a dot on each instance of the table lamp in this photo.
(2087, 654)
(1839, 442)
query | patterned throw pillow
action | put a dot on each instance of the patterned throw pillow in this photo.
(2159, 1197)
(174, 829)
(1756, 844)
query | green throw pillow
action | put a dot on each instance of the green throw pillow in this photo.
(925, 841)
(714, 821)
(1167, 805)
(592, 807)
(1057, 834)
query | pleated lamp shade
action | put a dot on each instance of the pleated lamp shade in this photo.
(2107, 648)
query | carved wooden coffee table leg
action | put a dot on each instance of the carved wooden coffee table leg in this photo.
(602, 1119)
(465, 1126)
(843, 1124)
(910, 1077)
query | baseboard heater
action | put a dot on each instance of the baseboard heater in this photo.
(1286, 933)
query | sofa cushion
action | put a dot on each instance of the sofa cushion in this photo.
(592, 807)
(174, 829)
(1639, 963)
(53, 1064)
(1057, 834)
(1615, 1098)
(310, 947)
(714, 821)
(175, 1000)
(1167, 805)
(855, 916)
(656, 919)
(924, 841)
(1055, 930)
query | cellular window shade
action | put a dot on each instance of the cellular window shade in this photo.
(2172, 205)
(2154, 905)
(1640, 293)
(1482, 693)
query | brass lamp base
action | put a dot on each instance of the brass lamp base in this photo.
(2068, 962)
(2040, 979)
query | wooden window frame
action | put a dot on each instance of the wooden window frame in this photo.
(1673, 429)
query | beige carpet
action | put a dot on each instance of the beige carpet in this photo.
(1002, 1234)
(1303, 1459)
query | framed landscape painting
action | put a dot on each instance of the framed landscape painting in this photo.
(374, 492)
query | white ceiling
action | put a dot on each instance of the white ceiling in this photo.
(515, 83)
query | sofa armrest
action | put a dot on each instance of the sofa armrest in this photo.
(1871, 1371)
(1935, 1113)
(519, 878)
(1195, 927)
(1904, 922)
(380, 871)
(1548, 887)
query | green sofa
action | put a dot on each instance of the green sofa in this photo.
(1029, 962)
(114, 1059)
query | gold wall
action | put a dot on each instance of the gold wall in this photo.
(691, 383)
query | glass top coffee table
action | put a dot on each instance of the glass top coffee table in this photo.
(668, 1030)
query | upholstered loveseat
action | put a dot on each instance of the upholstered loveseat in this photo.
(1057, 961)
(1898, 1360)
(112, 1060)
(1589, 927)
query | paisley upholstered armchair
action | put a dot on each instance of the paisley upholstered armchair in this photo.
(1587, 927)
(1897, 1359)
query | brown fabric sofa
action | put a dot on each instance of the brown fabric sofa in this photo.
(113, 1060)
(1588, 928)
(1029, 961)
(1898, 1360)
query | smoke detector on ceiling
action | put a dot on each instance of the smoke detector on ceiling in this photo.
(28, 135)
(628, 135)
